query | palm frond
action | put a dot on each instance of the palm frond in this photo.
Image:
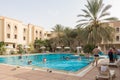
(111, 19)
(82, 20)
(82, 24)
(106, 8)
(104, 14)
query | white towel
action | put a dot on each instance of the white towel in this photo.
(103, 68)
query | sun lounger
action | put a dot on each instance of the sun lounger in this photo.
(105, 73)
(116, 63)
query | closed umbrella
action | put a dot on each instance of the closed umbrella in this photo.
(78, 49)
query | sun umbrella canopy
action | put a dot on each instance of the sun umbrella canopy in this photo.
(67, 47)
(79, 47)
(26, 47)
(58, 47)
(43, 47)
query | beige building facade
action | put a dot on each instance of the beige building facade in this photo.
(14, 32)
(116, 37)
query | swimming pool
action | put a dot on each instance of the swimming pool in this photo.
(64, 62)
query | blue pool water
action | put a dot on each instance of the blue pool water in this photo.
(65, 62)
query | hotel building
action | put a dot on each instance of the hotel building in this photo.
(14, 32)
(116, 37)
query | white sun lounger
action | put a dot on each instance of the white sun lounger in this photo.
(105, 74)
(116, 63)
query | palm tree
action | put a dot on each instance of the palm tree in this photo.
(38, 44)
(58, 30)
(94, 22)
(20, 49)
(79, 36)
(67, 36)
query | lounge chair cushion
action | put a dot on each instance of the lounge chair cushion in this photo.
(112, 73)
(116, 63)
(105, 73)
(104, 70)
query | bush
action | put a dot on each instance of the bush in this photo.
(88, 48)
(82, 55)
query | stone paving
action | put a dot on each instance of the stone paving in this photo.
(10, 73)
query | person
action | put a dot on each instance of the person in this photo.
(20, 57)
(67, 58)
(96, 55)
(114, 54)
(110, 55)
(87, 55)
(29, 62)
(44, 59)
(48, 70)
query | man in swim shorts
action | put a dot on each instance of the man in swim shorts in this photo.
(96, 56)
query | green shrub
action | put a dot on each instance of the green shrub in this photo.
(82, 55)
(88, 48)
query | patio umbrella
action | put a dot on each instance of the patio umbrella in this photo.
(43, 47)
(78, 49)
(8, 49)
(59, 47)
(26, 47)
(67, 47)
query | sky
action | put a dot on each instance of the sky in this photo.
(48, 13)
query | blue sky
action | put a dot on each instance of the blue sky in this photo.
(48, 13)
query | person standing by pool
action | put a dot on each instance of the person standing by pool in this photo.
(114, 54)
(110, 55)
(96, 55)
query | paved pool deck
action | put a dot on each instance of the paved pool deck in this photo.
(11, 73)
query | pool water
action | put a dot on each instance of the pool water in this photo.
(64, 62)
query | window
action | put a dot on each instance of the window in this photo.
(48, 35)
(45, 34)
(8, 26)
(117, 38)
(117, 29)
(40, 33)
(24, 30)
(13, 45)
(36, 32)
(15, 36)
(24, 38)
(8, 35)
(36, 38)
(15, 27)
